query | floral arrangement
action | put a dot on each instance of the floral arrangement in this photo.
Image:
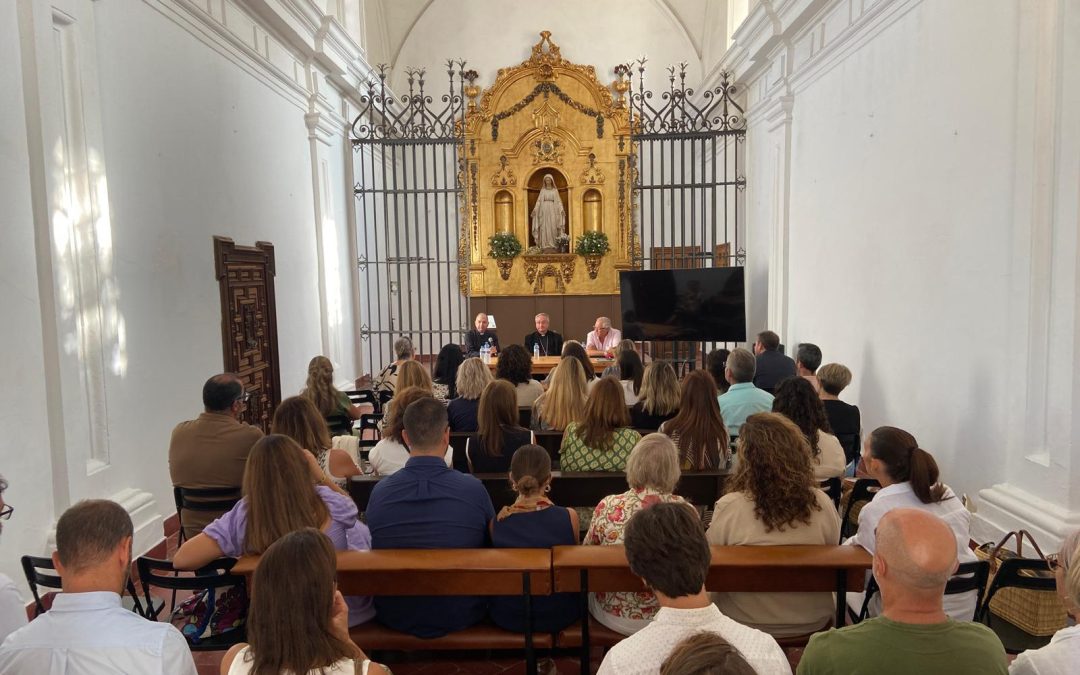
(562, 242)
(592, 243)
(504, 245)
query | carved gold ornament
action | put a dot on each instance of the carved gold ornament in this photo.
(504, 177)
(592, 175)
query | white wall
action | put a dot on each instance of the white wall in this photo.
(913, 211)
(193, 131)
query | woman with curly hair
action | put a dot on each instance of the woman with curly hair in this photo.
(797, 401)
(772, 500)
(331, 403)
(564, 399)
(698, 429)
(515, 366)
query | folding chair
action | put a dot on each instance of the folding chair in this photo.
(833, 488)
(362, 396)
(37, 571)
(851, 445)
(214, 499)
(217, 575)
(863, 492)
(970, 576)
(1027, 573)
(370, 421)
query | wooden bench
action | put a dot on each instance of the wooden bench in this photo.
(700, 488)
(786, 569)
(442, 572)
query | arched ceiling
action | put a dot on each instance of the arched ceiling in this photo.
(395, 19)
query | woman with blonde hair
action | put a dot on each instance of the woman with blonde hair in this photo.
(500, 434)
(652, 471)
(1063, 653)
(283, 491)
(472, 377)
(390, 453)
(332, 404)
(698, 428)
(297, 418)
(574, 349)
(412, 374)
(603, 439)
(659, 397)
(771, 500)
(564, 399)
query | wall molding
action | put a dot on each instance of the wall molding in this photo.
(1004, 508)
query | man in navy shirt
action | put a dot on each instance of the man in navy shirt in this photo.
(427, 505)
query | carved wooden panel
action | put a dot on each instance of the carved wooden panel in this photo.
(249, 323)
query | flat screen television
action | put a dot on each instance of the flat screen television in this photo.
(697, 305)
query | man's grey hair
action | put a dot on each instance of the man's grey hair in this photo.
(603, 321)
(403, 348)
(542, 314)
(742, 365)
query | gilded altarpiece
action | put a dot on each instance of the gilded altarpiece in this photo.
(547, 116)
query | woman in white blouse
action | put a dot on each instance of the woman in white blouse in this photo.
(909, 479)
(1062, 655)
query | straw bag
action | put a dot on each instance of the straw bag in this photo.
(1038, 613)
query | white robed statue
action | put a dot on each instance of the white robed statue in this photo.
(548, 215)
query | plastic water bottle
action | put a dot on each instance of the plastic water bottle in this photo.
(485, 353)
(536, 350)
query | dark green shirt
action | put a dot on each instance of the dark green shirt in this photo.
(884, 647)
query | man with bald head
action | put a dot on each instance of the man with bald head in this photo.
(480, 336)
(915, 556)
(212, 449)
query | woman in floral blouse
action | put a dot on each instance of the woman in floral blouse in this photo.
(603, 439)
(652, 472)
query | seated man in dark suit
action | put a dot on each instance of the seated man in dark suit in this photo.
(478, 337)
(548, 341)
(427, 505)
(772, 366)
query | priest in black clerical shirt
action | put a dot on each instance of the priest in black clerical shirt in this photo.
(477, 338)
(549, 342)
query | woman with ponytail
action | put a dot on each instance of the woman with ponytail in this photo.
(909, 479)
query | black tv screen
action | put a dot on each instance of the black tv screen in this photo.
(706, 305)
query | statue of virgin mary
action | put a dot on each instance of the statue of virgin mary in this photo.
(548, 215)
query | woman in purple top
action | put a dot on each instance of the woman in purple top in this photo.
(284, 491)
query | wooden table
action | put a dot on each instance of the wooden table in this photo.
(542, 365)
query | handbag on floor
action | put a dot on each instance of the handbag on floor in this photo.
(211, 612)
(1038, 613)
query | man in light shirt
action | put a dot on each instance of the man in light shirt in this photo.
(742, 399)
(602, 339)
(87, 631)
(12, 608)
(666, 547)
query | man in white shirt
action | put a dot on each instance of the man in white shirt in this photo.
(666, 547)
(87, 631)
(602, 339)
(12, 608)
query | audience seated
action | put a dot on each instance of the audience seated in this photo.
(705, 654)
(771, 501)
(548, 341)
(742, 399)
(698, 429)
(772, 366)
(533, 521)
(909, 479)
(390, 454)
(412, 374)
(515, 366)
(602, 440)
(332, 404)
(446, 370)
(306, 629)
(480, 336)
(573, 348)
(807, 360)
(843, 417)
(499, 435)
(630, 373)
(386, 382)
(280, 496)
(12, 607)
(602, 339)
(613, 369)
(297, 418)
(652, 472)
(797, 400)
(87, 630)
(211, 450)
(716, 363)
(428, 505)
(666, 547)
(1062, 655)
(914, 559)
(658, 400)
(472, 377)
(564, 400)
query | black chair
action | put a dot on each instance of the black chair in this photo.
(370, 421)
(970, 576)
(217, 575)
(851, 443)
(833, 488)
(339, 424)
(37, 571)
(525, 416)
(1026, 573)
(362, 396)
(215, 499)
(863, 492)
